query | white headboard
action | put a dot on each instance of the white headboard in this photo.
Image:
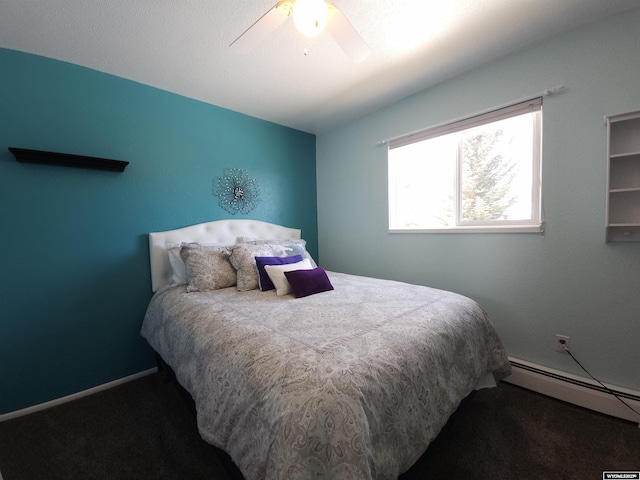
(224, 232)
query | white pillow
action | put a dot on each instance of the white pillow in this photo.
(293, 246)
(276, 274)
(178, 268)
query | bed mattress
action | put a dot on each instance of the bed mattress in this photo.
(352, 383)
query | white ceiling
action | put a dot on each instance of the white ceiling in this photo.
(182, 46)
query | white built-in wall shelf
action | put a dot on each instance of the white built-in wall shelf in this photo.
(623, 177)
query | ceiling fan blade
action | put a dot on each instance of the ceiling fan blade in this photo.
(346, 36)
(263, 27)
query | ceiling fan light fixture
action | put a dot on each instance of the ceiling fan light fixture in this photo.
(310, 16)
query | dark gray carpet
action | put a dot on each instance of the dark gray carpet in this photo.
(143, 430)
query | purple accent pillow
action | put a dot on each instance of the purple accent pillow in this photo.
(264, 282)
(307, 282)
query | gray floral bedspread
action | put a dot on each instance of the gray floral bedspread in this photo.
(348, 384)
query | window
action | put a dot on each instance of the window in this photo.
(481, 174)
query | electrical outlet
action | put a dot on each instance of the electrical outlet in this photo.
(562, 343)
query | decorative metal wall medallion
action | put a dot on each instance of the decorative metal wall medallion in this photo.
(236, 191)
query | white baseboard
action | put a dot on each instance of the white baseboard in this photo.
(580, 391)
(546, 381)
(68, 398)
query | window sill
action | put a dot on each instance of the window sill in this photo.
(475, 229)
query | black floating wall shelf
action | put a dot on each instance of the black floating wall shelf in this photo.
(24, 155)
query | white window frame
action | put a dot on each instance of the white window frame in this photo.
(533, 225)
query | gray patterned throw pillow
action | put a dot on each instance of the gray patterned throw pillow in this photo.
(208, 267)
(243, 259)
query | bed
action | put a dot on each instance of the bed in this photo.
(350, 382)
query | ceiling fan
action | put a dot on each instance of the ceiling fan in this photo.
(310, 18)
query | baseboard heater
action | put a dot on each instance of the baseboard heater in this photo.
(580, 391)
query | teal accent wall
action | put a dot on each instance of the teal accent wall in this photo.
(75, 278)
(567, 281)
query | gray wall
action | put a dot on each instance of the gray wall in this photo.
(567, 281)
